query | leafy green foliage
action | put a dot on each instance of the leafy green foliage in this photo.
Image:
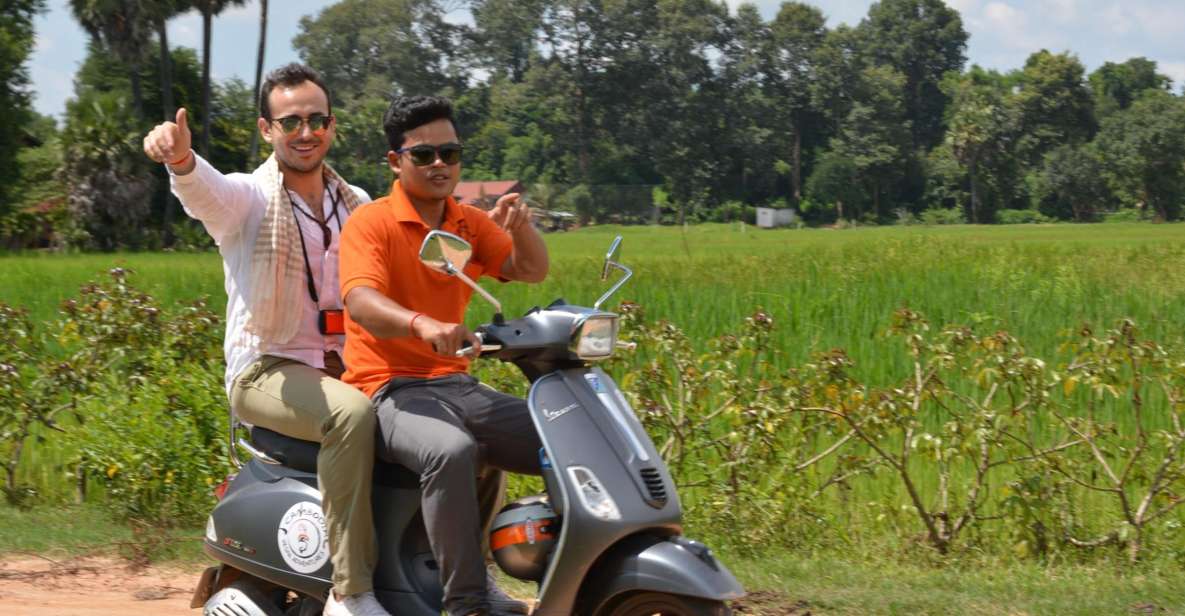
(1022, 217)
(922, 40)
(1144, 150)
(16, 44)
(134, 390)
(1117, 85)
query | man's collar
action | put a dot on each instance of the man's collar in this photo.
(406, 212)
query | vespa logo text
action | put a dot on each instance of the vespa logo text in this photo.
(554, 415)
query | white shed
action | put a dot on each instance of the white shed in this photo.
(768, 217)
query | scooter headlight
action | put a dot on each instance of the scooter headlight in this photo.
(592, 494)
(596, 337)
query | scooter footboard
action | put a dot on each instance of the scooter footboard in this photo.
(673, 565)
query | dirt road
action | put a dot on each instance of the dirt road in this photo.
(97, 586)
(106, 586)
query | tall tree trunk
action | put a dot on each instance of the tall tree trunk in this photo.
(581, 111)
(254, 152)
(166, 70)
(876, 198)
(169, 113)
(973, 173)
(207, 18)
(796, 162)
(137, 91)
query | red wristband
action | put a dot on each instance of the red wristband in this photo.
(411, 325)
(183, 160)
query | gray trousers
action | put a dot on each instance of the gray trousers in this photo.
(446, 429)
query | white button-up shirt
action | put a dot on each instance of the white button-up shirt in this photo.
(231, 207)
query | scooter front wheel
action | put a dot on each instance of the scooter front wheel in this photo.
(662, 604)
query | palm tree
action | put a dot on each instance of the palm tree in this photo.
(160, 13)
(258, 76)
(122, 26)
(208, 9)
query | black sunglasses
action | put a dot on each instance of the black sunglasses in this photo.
(423, 155)
(317, 122)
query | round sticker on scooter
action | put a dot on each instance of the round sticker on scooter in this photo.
(302, 537)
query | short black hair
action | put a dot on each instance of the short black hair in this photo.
(410, 112)
(289, 75)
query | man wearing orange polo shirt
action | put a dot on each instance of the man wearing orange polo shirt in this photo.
(404, 326)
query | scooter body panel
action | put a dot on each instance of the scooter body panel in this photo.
(584, 420)
(677, 567)
(264, 503)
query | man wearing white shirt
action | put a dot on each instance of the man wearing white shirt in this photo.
(278, 231)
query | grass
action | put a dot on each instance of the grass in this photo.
(88, 529)
(833, 585)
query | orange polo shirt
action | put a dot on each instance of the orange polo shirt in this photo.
(380, 248)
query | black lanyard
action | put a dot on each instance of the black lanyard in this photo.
(326, 234)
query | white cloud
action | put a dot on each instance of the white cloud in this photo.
(1116, 20)
(1176, 70)
(247, 12)
(964, 7)
(1061, 10)
(1003, 15)
(1161, 20)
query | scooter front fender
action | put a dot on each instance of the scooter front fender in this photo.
(674, 565)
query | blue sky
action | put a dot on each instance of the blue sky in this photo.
(1003, 33)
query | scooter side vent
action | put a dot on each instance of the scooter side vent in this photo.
(655, 485)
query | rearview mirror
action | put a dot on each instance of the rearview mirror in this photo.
(448, 254)
(610, 257)
(445, 252)
(610, 265)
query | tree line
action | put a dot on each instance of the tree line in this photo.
(624, 110)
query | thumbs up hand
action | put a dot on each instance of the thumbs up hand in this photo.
(170, 143)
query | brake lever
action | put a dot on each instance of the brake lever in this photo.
(483, 348)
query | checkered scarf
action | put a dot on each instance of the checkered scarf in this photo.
(277, 266)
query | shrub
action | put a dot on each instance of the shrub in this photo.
(942, 216)
(1022, 217)
(158, 447)
(142, 387)
(1126, 215)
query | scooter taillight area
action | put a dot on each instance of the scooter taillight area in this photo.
(220, 489)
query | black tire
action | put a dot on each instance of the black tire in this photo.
(663, 604)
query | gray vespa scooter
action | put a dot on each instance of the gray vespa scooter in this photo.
(604, 541)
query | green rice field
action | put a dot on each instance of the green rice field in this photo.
(824, 288)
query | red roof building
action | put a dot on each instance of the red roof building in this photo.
(485, 194)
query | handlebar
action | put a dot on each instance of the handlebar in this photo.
(484, 348)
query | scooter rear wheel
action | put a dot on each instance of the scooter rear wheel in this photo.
(662, 604)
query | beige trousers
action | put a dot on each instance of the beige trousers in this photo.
(297, 400)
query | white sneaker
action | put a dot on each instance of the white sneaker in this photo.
(358, 604)
(499, 601)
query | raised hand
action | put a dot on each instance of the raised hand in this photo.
(170, 143)
(511, 213)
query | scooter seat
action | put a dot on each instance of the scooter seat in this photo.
(291, 452)
(301, 455)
